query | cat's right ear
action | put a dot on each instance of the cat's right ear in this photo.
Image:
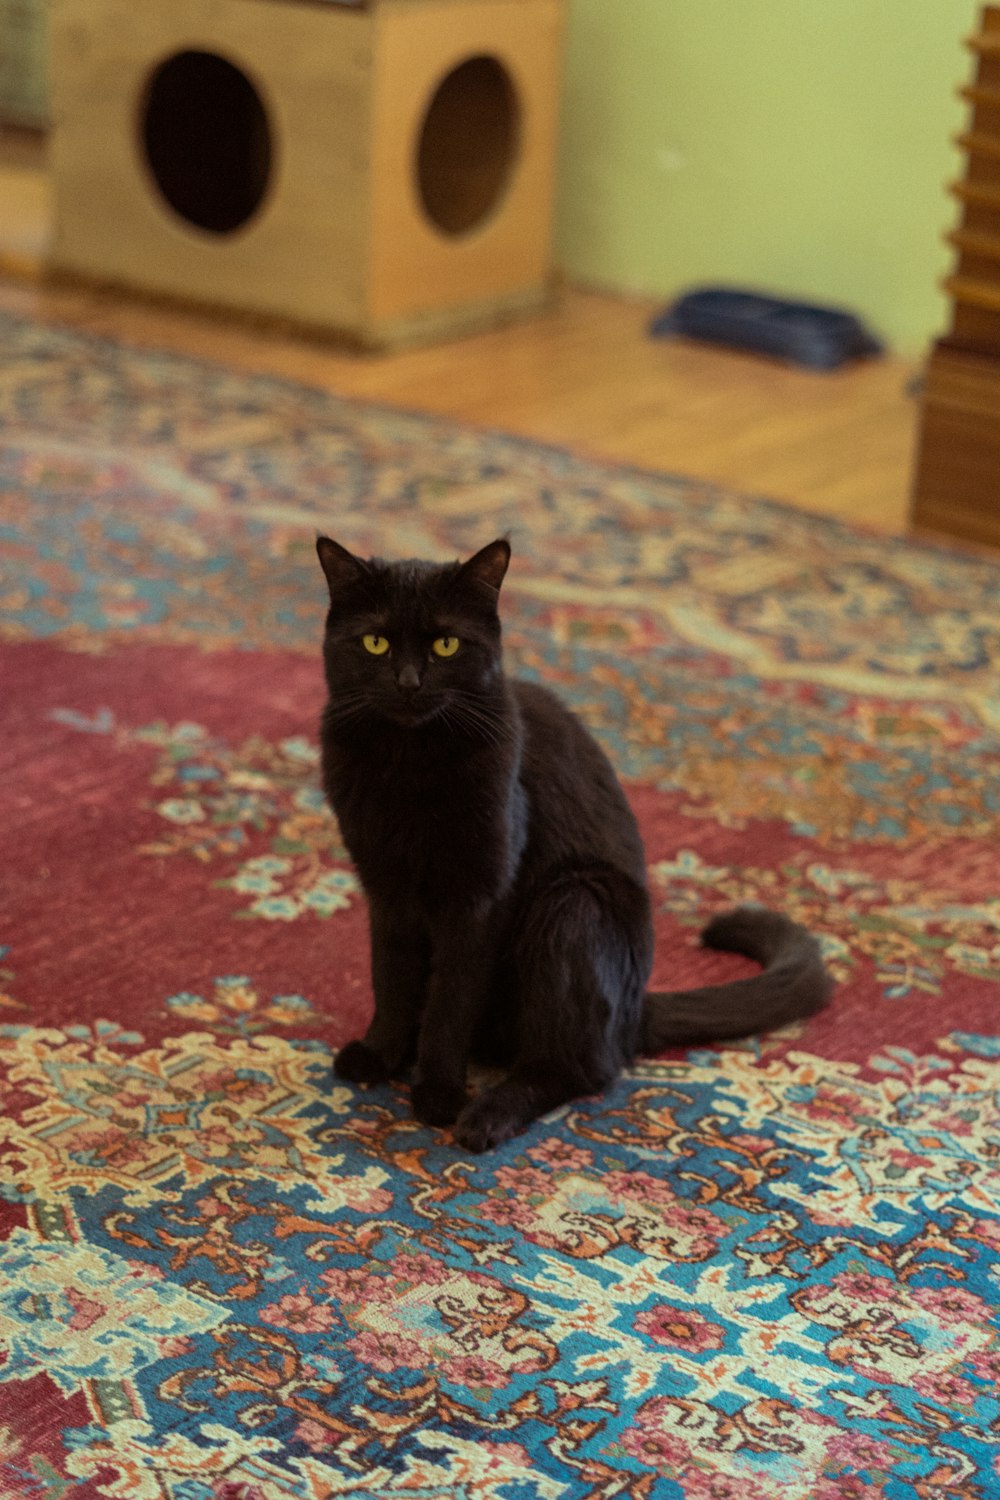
(489, 565)
(341, 567)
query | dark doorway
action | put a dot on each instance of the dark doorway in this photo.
(468, 145)
(207, 140)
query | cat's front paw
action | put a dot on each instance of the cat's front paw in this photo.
(485, 1123)
(358, 1063)
(437, 1103)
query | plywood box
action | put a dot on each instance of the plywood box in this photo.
(383, 171)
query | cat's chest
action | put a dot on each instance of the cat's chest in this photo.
(427, 834)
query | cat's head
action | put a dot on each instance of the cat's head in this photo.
(412, 641)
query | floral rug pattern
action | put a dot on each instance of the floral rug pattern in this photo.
(760, 1270)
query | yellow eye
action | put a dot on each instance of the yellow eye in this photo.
(445, 645)
(376, 644)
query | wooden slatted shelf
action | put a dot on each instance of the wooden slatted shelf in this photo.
(986, 44)
(982, 294)
(981, 145)
(977, 193)
(977, 93)
(974, 242)
(958, 457)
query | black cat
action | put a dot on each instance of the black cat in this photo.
(505, 876)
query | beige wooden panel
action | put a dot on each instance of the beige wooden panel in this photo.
(414, 267)
(302, 255)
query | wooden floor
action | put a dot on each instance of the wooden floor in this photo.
(585, 375)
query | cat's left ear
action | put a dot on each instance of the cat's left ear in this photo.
(489, 565)
(340, 566)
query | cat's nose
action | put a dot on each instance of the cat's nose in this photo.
(408, 680)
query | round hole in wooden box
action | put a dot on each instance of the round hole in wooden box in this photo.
(468, 145)
(207, 140)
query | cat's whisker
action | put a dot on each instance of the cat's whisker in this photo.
(487, 711)
(475, 731)
(451, 716)
(491, 727)
(342, 710)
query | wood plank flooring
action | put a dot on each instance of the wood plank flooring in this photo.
(587, 376)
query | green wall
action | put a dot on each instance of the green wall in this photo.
(799, 146)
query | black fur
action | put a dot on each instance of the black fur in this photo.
(503, 867)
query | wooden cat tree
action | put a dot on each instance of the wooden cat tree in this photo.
(381, 170)
(957, 486)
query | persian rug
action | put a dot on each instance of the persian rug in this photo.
(769, 1269)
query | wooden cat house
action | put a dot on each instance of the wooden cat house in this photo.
(381, 170)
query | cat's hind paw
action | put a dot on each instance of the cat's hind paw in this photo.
(357, 1063)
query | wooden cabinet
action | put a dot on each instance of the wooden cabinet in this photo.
(957, 480)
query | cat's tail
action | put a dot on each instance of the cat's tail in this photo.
(793, 984)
